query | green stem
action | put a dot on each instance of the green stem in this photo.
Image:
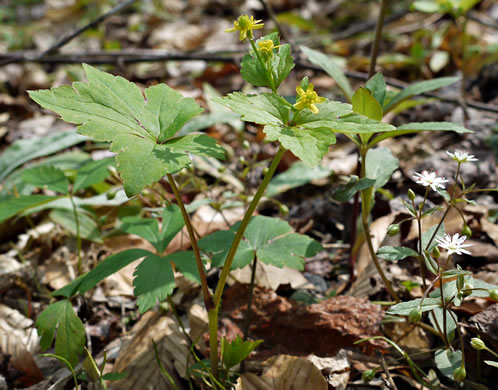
(213, 311)
(247, 319)
(420, 250)
(378, 35)
(450, 204)
(78, 234)
(208, 298)
(269, 76)
(366, 196)
(245, 221)
(464, 57)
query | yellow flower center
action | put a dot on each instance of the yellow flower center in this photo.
(245, 24)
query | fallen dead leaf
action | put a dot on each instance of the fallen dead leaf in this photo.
(137, 356)
(271, 277)
(336, 369)
(19, 340)
(284, 372)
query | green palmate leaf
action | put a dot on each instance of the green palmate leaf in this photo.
(92, 172)
(275, 244)
(365, 103)
(105, 268)
(380, 165)
(281, 64)
(11, 205)
(310, 145)
(186, 264)
(264, 109)
(419, 88)
(345, 192)
(377, 86)
(22, 151)
(271, 239)
(404, 308)
(297, 175)
(395, 253)
(329, 66)
(339, 118)
(447, 361)
(312, 134)
(218, 244)
(110, 108)
(47, 177)
(70, 331)
(88, 228)
(154, 281)
(237, 350)
(148, 228)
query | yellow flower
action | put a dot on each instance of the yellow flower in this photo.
(245, 25)
(266, 48)
(308, 99)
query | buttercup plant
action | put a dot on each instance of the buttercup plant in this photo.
(141, 129)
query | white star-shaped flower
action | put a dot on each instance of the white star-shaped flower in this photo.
(430, 179)
(462, 157)
(454, 244)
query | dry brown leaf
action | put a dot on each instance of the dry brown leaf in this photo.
(365, 268)
(179, 36)
(285, 372)
(137, 357)
(19, 339)
(9, 267)
(336, 369)
(409, 337)
(271, 277)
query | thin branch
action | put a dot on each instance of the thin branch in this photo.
(65, 40)
(150, 55)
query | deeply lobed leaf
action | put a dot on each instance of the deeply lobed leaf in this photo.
(70, 331)
(110, 108)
